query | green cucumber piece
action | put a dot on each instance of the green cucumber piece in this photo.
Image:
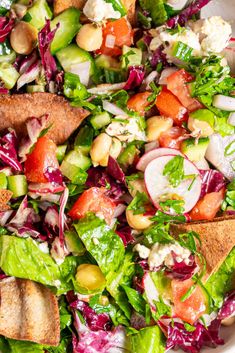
(100, 120)
(69, 26)
(106, 62)
(74, 243)
(73, 173)
(18, 185)
(182, 51)
(204, 115)
(84, 139)
(73, 55)
(78, 159)
(195, 151)
(131, 56)
(60, 152)
(8, 75)
(6, 53)
(35, 88)
(39, 12)
(3, 181)
(127, 157)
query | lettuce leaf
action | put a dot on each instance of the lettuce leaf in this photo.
(222, 282)
(23, 346)
(101, 242)
(148, 340)
(22, 258)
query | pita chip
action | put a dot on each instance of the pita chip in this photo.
(5, 196)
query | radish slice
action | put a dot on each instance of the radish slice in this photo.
(157, 152)
(224, 102)
(158, 185)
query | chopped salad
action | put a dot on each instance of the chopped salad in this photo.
(97, 218)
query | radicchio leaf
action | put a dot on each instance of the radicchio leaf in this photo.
(4, 90)
(6, 25)
(30, 75)
(45, 37)
(212, 181)
(8, 151)
(94, 321)
(54, 175)
(115, 171)
(187, 13)
(228, 307)
(135, 77)
(62, 217)
(159, 57)
(34, 128)
(181, 270)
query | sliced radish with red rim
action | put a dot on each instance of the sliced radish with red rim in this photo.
(157, 152)
(158, 185)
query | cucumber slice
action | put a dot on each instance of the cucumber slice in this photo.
(18, 185)
(74, 243)
(131, 56)
(60, 152)
(39, 12)
(68, 28)
(99, 120)
(8, 75)
(73, 173)
(3, 181)
(84, 139)
(72, 55)
(6, 53)
(195, 151)
(78, 159)
(106, 62)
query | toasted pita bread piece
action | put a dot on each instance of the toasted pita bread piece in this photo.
(5, 196)
(217, 239)
(29, 311)
(16, 109)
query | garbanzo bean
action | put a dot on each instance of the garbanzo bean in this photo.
(136, 185)
(156, 125)
(89, 37)
(138, 221)
(100, 149)
(23, 38)
(200, 126)
(90, 277)
(116, 148)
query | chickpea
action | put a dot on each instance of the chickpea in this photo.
(23, 38)
(90, 277)
(136, 185)
(89, 37)
(156, 125)
(200, 126)
(229, 321)
(116, 148)
(138, 221)
(100, 149)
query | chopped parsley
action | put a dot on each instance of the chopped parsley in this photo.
(138, 204)
(172, 205)
(174, 170)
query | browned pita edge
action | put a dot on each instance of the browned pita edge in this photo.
(217, 239)
(29, 311)
(16, 109)
(5, 196)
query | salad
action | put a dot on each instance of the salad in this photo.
(117, 176)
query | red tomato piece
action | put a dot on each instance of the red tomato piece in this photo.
(139, 102)
(177, 84)
(123, 35)
(208, 206)
(42, 157)
(93, 200)
(169, 106)
(172, 137)
(193, 307)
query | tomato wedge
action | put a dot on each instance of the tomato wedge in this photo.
(120, 32)
(177, 83)
(169, 106)
(208, 206)
(93, 200)
(172, 137)
(42, 157)
(193, 307)
(139, 102)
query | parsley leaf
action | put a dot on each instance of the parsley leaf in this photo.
(172, 205)
(161, 309)
(161, 217)
(174, 169)
(138, 204)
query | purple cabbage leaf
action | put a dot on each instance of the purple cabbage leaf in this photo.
(8, 151)
(135, 77)
(6, 25)
(212, 181)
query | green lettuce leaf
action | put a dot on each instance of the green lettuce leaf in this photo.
(222, 281)
(101, 242)
(148, 340)
(23, 346)
(22, 258)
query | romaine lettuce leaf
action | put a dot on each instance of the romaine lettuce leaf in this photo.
(222, 281)
(101, 242)
(26, 347)
(22, 258)
(148, 340)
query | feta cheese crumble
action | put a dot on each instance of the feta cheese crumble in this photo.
(142, 250)
(126, 129)
(99, 10)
